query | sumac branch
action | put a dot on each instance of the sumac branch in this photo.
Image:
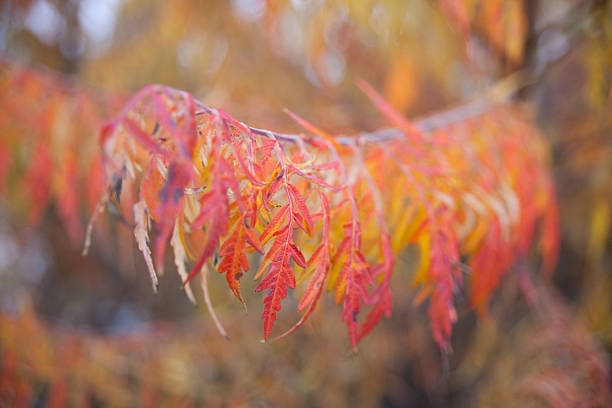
(473, 192)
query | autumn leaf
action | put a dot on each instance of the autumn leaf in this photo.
(141, 233)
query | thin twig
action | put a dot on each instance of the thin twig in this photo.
(204, 284)
(99, 209)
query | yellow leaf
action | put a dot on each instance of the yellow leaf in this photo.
(334, 271)
(407, 228)
(423, 272)
(474, 238)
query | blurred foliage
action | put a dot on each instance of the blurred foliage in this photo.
(93, 334)
(541, 360)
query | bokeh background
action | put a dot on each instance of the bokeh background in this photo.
(89, 331)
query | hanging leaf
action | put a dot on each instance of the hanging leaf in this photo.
(141, 233)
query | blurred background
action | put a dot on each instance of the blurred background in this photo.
(88, 331)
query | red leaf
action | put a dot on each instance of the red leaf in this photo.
(386, 109)
(298, 201)
(273, 225)
(381, 295)
(234, 261)
(215, 209)
(233, 253)
(320, 262)
(280, 275)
